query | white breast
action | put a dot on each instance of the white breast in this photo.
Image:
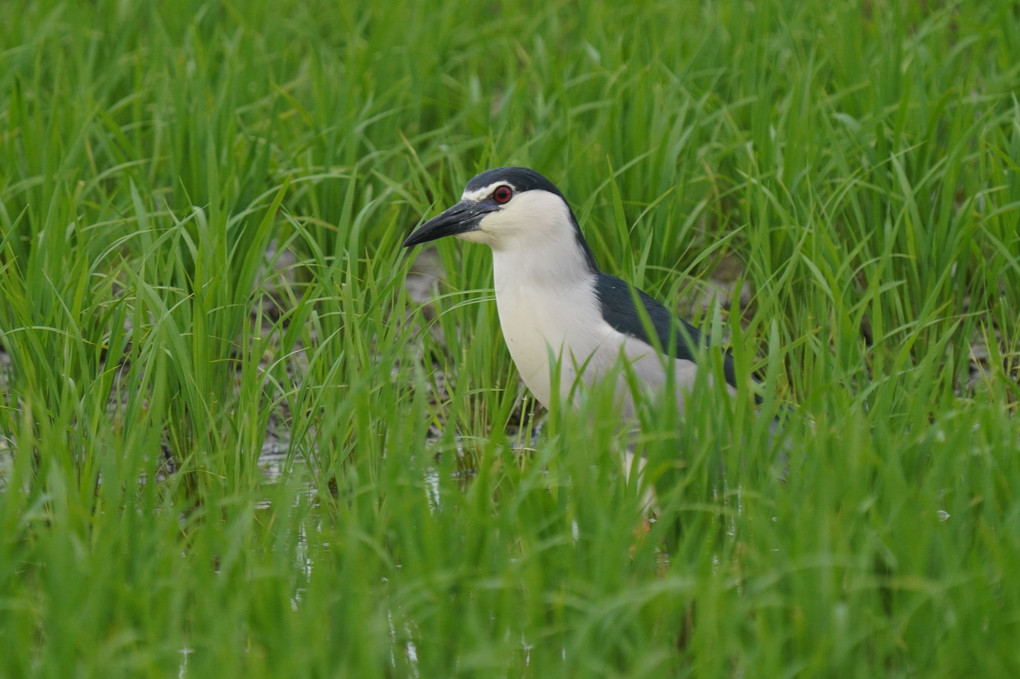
(539, 324)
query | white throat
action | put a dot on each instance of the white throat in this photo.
(545, 294)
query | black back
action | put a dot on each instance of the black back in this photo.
(620, 311)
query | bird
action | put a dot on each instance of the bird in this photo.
(556, 305)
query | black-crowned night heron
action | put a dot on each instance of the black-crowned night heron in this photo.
(555, 304)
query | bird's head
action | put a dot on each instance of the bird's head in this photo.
(509, 209)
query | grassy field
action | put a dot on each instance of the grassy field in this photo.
(231, 443)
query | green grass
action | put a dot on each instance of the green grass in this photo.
(201, 211)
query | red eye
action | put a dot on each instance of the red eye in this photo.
(502, 194)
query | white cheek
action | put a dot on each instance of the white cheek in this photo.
(490, 229)
(476, 236)
(492, 221)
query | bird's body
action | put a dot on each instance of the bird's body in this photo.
(570, 327)
(554, 304)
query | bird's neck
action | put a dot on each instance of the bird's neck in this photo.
(556, 263)
(547, 304)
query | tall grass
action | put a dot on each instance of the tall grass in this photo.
(201, 211)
